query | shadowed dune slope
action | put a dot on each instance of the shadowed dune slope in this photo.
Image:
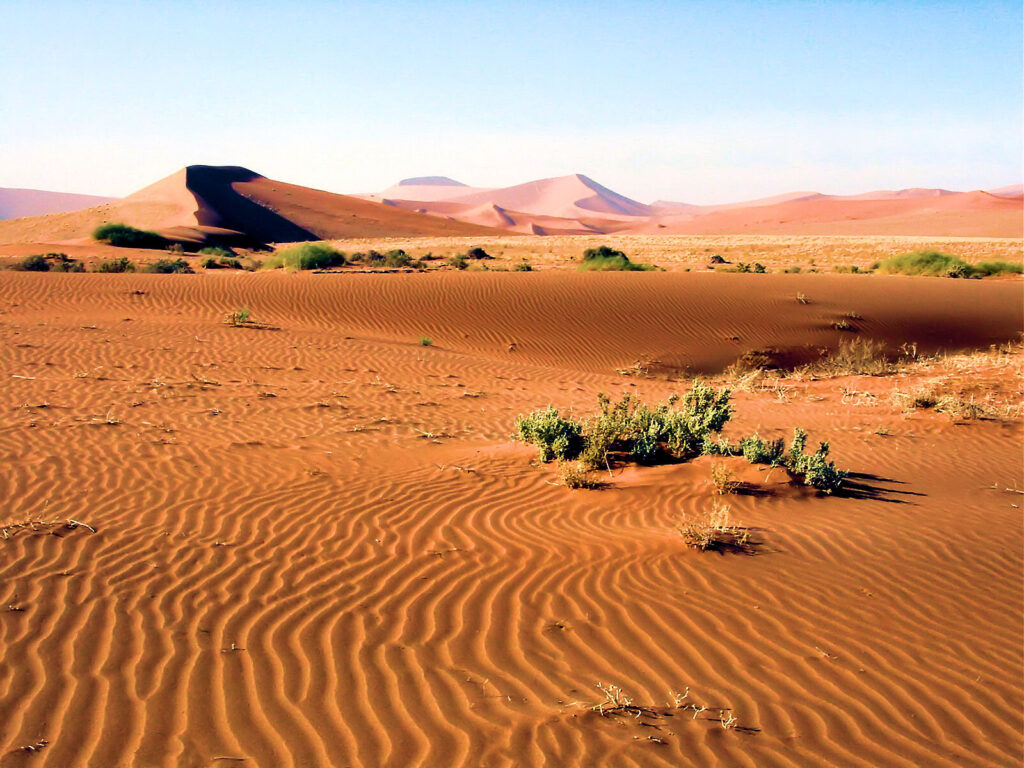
(317, 546)
(199, 202)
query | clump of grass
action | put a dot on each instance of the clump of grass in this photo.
(306, 256)
(223, 262)
(168, 267)
(523, 266)
(124, 264)
(605, 259)
(49, 262)
(240, 317)
(426, 341)
(575, 475)
(937, 264)
(853, 357)
(124, 236)
(713, 530)
(216, 251)
(813, 469)
(723, 479)
(458, 261)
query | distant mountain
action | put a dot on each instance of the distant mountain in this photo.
(576, 204)
(15, 203)
(203, 203)
(1013, 190)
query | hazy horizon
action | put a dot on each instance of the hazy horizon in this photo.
(694, 102)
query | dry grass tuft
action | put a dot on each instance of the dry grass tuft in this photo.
(713, 530)
(723, 479)
(574, 475)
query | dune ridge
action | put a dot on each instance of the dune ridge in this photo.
(233, 204)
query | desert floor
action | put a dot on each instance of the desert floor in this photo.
(314, 542)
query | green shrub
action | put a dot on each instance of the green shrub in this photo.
(116, 265)
(169, 267)
(123, 236)
(306, 256)
(216, 251)
(426, 341)
(987, 268)
(478, 253)
(605, 259)
(34, 263)
(523, 266)
(458, 261)
(397, 259)
(756, 450)
(555, 437)
(939, 264)
(813, 469)
(223, 263)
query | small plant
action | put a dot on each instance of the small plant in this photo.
(605, 259)
(713, 530)
(478, 254)
(116, 265)
(397, 258)
(723, 479)
(575, 475)
(523, 266)
(555, 437)
(222, 263)
(756, 450)
(843, 325)
(123, 236)
(168, 267)
(35, 263)
(802, 298)
(426, 341)
(458, 261)
(306, 256)
(239, 317)
(813, 469)
(216, 251)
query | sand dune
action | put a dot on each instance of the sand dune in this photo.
(318, 546)
(16, 203)
(226, 202)
(578, 205)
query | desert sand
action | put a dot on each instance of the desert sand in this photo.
(312, 540)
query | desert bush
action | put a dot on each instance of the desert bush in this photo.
(574, 474)
(123, 236)
(939, 264)
(555, 437)
(757, 450)
(64, 263)
(123, 264)
(714, 530)
(169, 266)
(222, 263)
(216, 251)
(813, 469)
(426, 341)
(605, 259)
(458, 261)
(34, 263)
(478, 253)
(523, 266)
(723, 479)
(397, 258)
(306, 256)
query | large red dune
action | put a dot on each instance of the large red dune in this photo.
(200, 202)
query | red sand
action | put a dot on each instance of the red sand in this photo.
(317, 545)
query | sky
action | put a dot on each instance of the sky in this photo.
(699, 102)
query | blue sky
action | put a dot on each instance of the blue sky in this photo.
(694, 101)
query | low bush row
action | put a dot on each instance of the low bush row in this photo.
(631, 430)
